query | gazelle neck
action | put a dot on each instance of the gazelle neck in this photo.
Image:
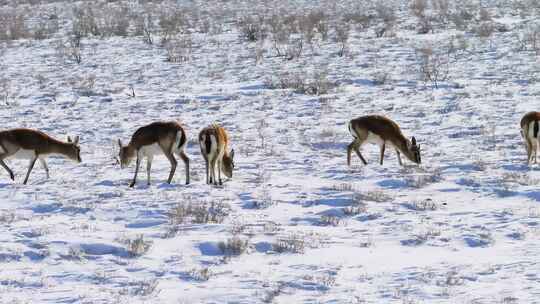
(402, 144)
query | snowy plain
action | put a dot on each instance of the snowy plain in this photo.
(460, 228)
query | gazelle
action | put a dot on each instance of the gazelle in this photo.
(168, 138)
(214, 148)
(33, 144)
(381, 130)
(529, 132)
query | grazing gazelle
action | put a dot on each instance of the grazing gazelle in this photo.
(34, 145)
(214, 148)
(168, 138)
(529, 132)
(381, 130)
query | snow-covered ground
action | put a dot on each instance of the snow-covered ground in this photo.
(460, 228)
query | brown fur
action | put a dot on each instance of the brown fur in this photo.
(222, 159)
(525, 122)
(164, 134)
(11, 141)
(388, 131)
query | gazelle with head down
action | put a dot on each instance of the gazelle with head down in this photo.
(214, 143)
(166, 138)
(529, 131)
(382, 131)
(33, 145)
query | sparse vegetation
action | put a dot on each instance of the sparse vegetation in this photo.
(137, 246)
(233, 246)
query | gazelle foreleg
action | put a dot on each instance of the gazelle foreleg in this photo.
(137, 164)
(355, 145)
(399, 158)
(30, 167)
(383, 146)
(3, 164)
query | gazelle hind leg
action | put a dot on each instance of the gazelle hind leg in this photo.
(383, 146)
(149, 160)
(185, 159)
(44, 165)
(213, 171)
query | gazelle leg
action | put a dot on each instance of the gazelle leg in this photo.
(3, 164)
(350, 147)
(173, 162)
(382, 151)
(149, 160)
(528, 147)
(357, 150)
(44, 165)
(355, 145)
(213, 162)
(207, 171)
(399, 158)
(30, 167)
(185, 159)
(536, 152)
(219, 164)
(137, 164)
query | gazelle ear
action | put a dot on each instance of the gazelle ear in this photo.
(120, 143)
(413, 140)
(69, 139)
(232, 153)
(76, 141)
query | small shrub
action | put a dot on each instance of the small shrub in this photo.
(13, 25)
(75, 253)
(252, 28)
(342, 30)
(424, 205)
(144, 288)
(330, 220)
(179, 49)
(136, 247)
(296, 242)
(145, 27)
(203, 274)
(356, 207)
(197, 213)
(315, 84)
(233, 246)
(424, 178)
(371, 195)
(171, 24)
(45, 28)
(433, 66)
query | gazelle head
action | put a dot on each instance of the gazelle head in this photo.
(414, 151)
(228, 164)
(74, 150)
(125, 155)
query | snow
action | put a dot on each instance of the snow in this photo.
(460, 228)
